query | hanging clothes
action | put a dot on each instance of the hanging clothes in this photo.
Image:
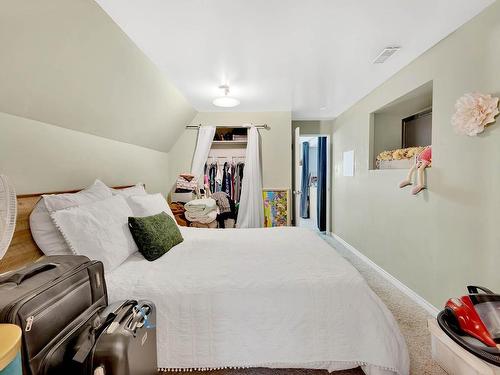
(226, 179)
(233, 180)
(212, 172)
(218, 177)
(238, 178)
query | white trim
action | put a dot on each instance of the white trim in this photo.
(419, 300)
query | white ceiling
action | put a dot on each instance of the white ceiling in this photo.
(311, 57)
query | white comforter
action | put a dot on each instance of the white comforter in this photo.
(262, 297)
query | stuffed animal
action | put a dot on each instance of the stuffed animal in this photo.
(385, 155)
(422, 161)
(398, 154)
(412, 151)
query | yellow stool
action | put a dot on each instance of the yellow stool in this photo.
(10, 350)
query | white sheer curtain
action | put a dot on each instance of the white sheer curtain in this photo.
(251, 211)
(203, 144)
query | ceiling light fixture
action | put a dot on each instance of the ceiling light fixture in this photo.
(225, 101)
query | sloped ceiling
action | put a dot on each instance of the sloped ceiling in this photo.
(313, 57)
(66, 63)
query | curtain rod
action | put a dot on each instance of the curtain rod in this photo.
(263, 126)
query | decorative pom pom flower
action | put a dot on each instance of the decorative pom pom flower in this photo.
(474, 111)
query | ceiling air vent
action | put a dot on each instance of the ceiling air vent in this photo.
(385, 54)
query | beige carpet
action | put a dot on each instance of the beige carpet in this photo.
(412, 320)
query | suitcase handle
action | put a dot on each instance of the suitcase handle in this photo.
(124, 312)
(94, 334)
(140, 317)
(27, 273)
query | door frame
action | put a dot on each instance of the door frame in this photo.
(296, 193)
(298, 177)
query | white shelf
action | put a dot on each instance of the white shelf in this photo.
(229, 142)
(453, 358)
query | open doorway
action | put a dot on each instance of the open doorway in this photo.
(312, 176)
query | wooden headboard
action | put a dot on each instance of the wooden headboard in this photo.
(23, 248)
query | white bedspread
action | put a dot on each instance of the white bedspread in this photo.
(262, 297)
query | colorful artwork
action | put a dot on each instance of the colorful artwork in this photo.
(276, 204)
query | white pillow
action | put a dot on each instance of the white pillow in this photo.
(148, 205)
(44, 232)
(98, 191)
(133, 190)
(98, 230)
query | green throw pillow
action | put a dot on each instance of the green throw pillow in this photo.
(154, 235)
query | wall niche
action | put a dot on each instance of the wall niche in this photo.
(405, 122)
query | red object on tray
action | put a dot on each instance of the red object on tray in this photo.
(469, 320)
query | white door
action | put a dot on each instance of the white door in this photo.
(298, 176)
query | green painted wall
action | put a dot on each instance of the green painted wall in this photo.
(448, 236)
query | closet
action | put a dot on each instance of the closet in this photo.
(226, 161)
(226, 167)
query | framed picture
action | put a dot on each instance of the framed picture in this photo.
(276, 207)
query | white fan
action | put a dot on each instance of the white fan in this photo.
(8, 213)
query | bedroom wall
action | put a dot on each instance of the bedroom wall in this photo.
(66, 63)
(446, 237)
(276, 144)
(39, 157)
(311, 127)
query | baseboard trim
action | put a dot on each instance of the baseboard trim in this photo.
(398, 284)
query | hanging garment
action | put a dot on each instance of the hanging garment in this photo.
(203, 144)
(251, 208)
(226, 179)
(233, 176)
(229, 181)
(238, 179)
(212, 171)
(218, 178)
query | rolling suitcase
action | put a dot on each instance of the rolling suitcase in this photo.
(124, 345)
(51, 300)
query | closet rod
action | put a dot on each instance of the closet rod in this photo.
(264, 126)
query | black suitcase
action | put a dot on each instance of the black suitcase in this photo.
(125, 344)
(51, 300)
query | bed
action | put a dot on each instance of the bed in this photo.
(276, 297)
(279, 297)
